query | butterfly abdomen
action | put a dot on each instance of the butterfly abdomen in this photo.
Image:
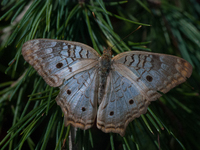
(104, 69)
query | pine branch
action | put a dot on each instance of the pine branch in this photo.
(37, 121)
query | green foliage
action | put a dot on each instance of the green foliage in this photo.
(30, 117)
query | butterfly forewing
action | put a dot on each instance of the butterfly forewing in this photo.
(151, 72)
(57, 60)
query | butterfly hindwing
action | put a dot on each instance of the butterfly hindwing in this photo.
(121, 104)
(78, 99)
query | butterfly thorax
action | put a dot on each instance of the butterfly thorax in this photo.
(104, 69)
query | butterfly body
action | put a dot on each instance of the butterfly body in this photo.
(123, 86)
(104, 69)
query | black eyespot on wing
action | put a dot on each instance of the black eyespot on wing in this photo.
(68, 92)
(149, 78)
(59, 65)
(131, 101)
(83, 109)
(111, 113)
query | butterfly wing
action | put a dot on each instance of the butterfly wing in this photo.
(78, 99)
(134, 81)
(121, 103)
(58, 60)
(152, 72)
(72, 66)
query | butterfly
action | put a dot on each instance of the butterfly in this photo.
(115, 90)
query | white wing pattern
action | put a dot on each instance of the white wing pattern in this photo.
(132, 81)
(73, 66)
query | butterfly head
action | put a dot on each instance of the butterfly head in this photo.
(107, 52)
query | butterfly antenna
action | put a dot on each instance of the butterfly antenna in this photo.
(127, 36)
